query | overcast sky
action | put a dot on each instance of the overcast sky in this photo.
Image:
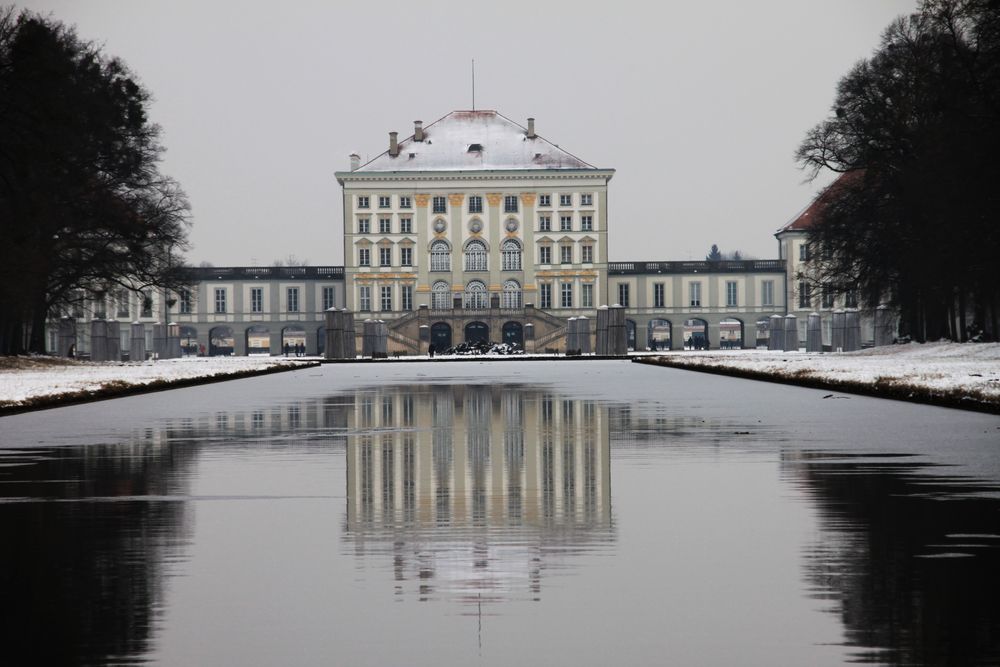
(699, 106)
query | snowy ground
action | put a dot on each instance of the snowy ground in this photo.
(956, 373)
(28, 381)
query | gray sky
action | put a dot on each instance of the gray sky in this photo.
(698, 105)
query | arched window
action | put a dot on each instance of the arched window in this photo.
(441, 296)
(511, 295)
(475, 256)
(440, 256)
(510, 252)
(476, 296)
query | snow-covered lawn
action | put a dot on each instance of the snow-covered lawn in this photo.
(956, 373)
(27, 381)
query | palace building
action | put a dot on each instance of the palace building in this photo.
(473, 228)
(480, 221)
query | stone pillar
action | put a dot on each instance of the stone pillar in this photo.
(571, 337)
(98, 340)
(837, 330)
(380, 346)
(67, 337)
(159, 340)
(776, 333)
(583, 335)
(852, 331)
(814, 333)
(602, 331)
(174, 341)
(334, 334)
(617, 335)
(367, 337)
(791, 333)
(424, 336)
(350, 336)
(114, 341)
(529, 337)
(137, 342)
(883, 326)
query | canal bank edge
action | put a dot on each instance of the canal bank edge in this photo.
(880, 388)
(119, 389)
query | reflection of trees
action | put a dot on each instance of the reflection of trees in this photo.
(884, 560)
(82, 561)
(495, 480)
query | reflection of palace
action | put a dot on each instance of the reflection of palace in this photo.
(450, 477)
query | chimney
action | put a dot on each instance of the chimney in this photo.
(393, 145)
(531, 128)
(418, 130)
(355, 161)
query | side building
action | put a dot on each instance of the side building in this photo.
(224, 311)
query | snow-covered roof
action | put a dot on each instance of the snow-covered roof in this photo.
(472, 140)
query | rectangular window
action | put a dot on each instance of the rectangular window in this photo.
(100, 306)
(545, 295)
(544, 254)
(385, 225)
(364, 257)
(406, 291)
(293, 299)
(827, 297)
(565, 223)
(186, 302)
(147, 303)
(405, 202)
(545, 200)
(364, 298)
(406, 256)
(587, 295)
(587, 200)
(77, 307)
(565, 200)
(694, 292)
(623, 294)
(363, 201)
(475, 204)
(566, 254)
(659, 295)
(566, 295)
(386, 297)
(587, 223)
(588, 254)
(731, 293)
(122, 299)
(851, 299)
(439, 204)
(364, 226)
(328, 300)
(510, 204)
(805, 294)
(256, 299)
(545, 223)
(804, 252)
(406, 225)
(767, 293)
(385, 256)
(220, 300)
(384, 201)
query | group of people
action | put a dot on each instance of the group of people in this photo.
(298, 349)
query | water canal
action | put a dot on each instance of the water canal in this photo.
(587, 513)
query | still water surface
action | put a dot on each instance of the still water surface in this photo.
(531, 513)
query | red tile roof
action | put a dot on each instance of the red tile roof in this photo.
(804, 220)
